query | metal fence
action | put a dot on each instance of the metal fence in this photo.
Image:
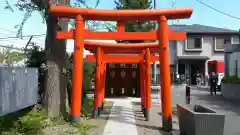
(18, 88)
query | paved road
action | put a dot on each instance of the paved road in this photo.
(218, 103)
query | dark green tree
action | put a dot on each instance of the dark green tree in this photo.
(36, 59)
(88, 71)
(135, 26)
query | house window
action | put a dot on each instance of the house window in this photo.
(221, 41)
(194, 43)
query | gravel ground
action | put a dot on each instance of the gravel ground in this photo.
(100, 122)
(64, 129)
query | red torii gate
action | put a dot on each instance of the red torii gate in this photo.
(140, 48)
(145, 59)
(121, 16)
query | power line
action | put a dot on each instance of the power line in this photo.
(2, 34)
(8, 30)
(10, 47)
(25, 36)
(218, 10)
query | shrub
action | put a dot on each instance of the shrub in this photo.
(231, 79)
(24, 122)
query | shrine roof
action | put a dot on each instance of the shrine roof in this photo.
(121, 15)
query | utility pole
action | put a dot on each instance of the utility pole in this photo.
(155, 2)
(154, 77)
(29, 41)
(173, 6)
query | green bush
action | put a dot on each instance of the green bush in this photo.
(231, 79)
(24, 122)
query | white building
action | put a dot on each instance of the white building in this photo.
(203, 44)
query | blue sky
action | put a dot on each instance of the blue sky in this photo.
(201, 15)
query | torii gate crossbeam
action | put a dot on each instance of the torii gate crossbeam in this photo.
(121, 58)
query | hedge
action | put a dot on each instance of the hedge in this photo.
(231, 79)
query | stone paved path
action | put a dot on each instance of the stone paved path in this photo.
(121, 119)
(155, 98)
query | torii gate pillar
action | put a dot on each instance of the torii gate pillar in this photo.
(148, 83)
(77, 69)
(165, 74)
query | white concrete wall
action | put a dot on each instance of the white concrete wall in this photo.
(172, 51)
(207, 48)
(234, 64)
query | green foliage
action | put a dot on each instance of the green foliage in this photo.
(231, 79)
(133, 4)
(11, 57)
(25, 122)
(8, 57)
(35, 57)
(135, 26)
(88, 69)
(33, 121)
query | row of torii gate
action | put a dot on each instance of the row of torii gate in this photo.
(103, 51)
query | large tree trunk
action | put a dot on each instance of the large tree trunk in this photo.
(55, 98)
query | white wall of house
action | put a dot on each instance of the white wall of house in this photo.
(207, 50)
(210, 48)
(178, 48)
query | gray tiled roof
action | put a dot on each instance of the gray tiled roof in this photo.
(196, 28)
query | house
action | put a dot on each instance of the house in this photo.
(204, 45)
